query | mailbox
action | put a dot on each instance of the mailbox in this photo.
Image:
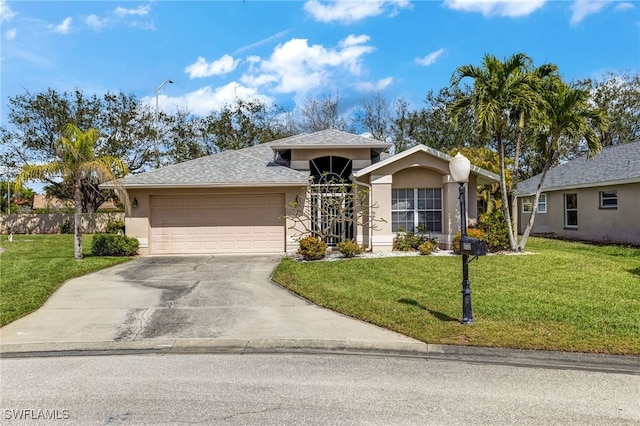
(473, 246)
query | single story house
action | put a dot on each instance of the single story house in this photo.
(595, 199)
(234, 201)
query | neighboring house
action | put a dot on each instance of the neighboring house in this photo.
(234, 201)
(43, 202)
(595, 199)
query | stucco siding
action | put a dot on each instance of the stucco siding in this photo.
(619, 225)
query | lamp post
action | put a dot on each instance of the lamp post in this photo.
(158, 89)
(460, 167)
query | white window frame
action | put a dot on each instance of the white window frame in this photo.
(568, 210)
(611, 195)
(527, 204)
(415, 211)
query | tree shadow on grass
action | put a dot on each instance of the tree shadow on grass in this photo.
(438, 315)
(634, 271)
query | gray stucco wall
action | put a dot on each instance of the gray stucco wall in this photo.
(620, 225)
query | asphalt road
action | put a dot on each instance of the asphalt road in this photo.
(307, 389)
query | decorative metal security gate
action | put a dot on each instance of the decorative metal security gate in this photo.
(331, 199)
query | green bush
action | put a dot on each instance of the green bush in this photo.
(410, 241)
(349, 248)
(65, 228)
(495, 228)
(312, 248)
(114, 245)
(115, 227)
(471, 232)
(427, 248)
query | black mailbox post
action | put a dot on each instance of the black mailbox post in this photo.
(473, 246)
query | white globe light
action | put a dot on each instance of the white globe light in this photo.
(460, 167)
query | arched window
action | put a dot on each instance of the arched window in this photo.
(331, 168)
(332, 206)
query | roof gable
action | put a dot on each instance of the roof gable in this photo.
(484, 176)
(614, 165)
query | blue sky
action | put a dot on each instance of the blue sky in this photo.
(290, 51)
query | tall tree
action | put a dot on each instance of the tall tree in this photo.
(619, 96)
(75, 159)
(36, 122)
(503, 93)
(321, 114)
(569, 117)
(241, 124)
(376, 116)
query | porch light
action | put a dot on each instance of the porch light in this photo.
(460, 167)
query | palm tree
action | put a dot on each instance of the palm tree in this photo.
(568, 118)
(504, 94)
(76, 160)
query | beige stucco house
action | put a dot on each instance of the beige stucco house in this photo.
(234, 201)
(585, 199)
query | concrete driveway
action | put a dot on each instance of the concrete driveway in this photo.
(191, 303)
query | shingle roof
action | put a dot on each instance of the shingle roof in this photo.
(245, 167)
(328, 139)
(616, 164)
(249, 166)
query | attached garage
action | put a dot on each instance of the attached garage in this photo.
(217, 224)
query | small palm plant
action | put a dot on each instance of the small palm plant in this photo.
(76, 160)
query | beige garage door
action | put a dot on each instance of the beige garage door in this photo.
(217, 224)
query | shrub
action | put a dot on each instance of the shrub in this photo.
(471, 232)
(409, 241)
(114, 245)
(427, 248)
(115, 227)
(349, 248)
(495, 228)
(65, 228)
(312, 248)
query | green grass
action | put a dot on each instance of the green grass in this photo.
(565, 296)
(34, 266)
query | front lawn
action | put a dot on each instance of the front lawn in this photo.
(565, 296)
(34, 266)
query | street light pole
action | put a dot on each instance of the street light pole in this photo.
(467, 314)
(460, 167)
(158, 89)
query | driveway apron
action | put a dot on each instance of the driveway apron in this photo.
(192, 298)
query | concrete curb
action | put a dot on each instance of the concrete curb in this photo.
(512, 357)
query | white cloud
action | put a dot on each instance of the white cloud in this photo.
(95, 22)
(64, 27)
(201, 68)
(295, 66)
(348, 11)
(6, 14)
(139, 11)
(624, 6)
(207, 99)
(11, 34)
(376, 86)
(583, 8)
(431, 58)
(508, 8)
